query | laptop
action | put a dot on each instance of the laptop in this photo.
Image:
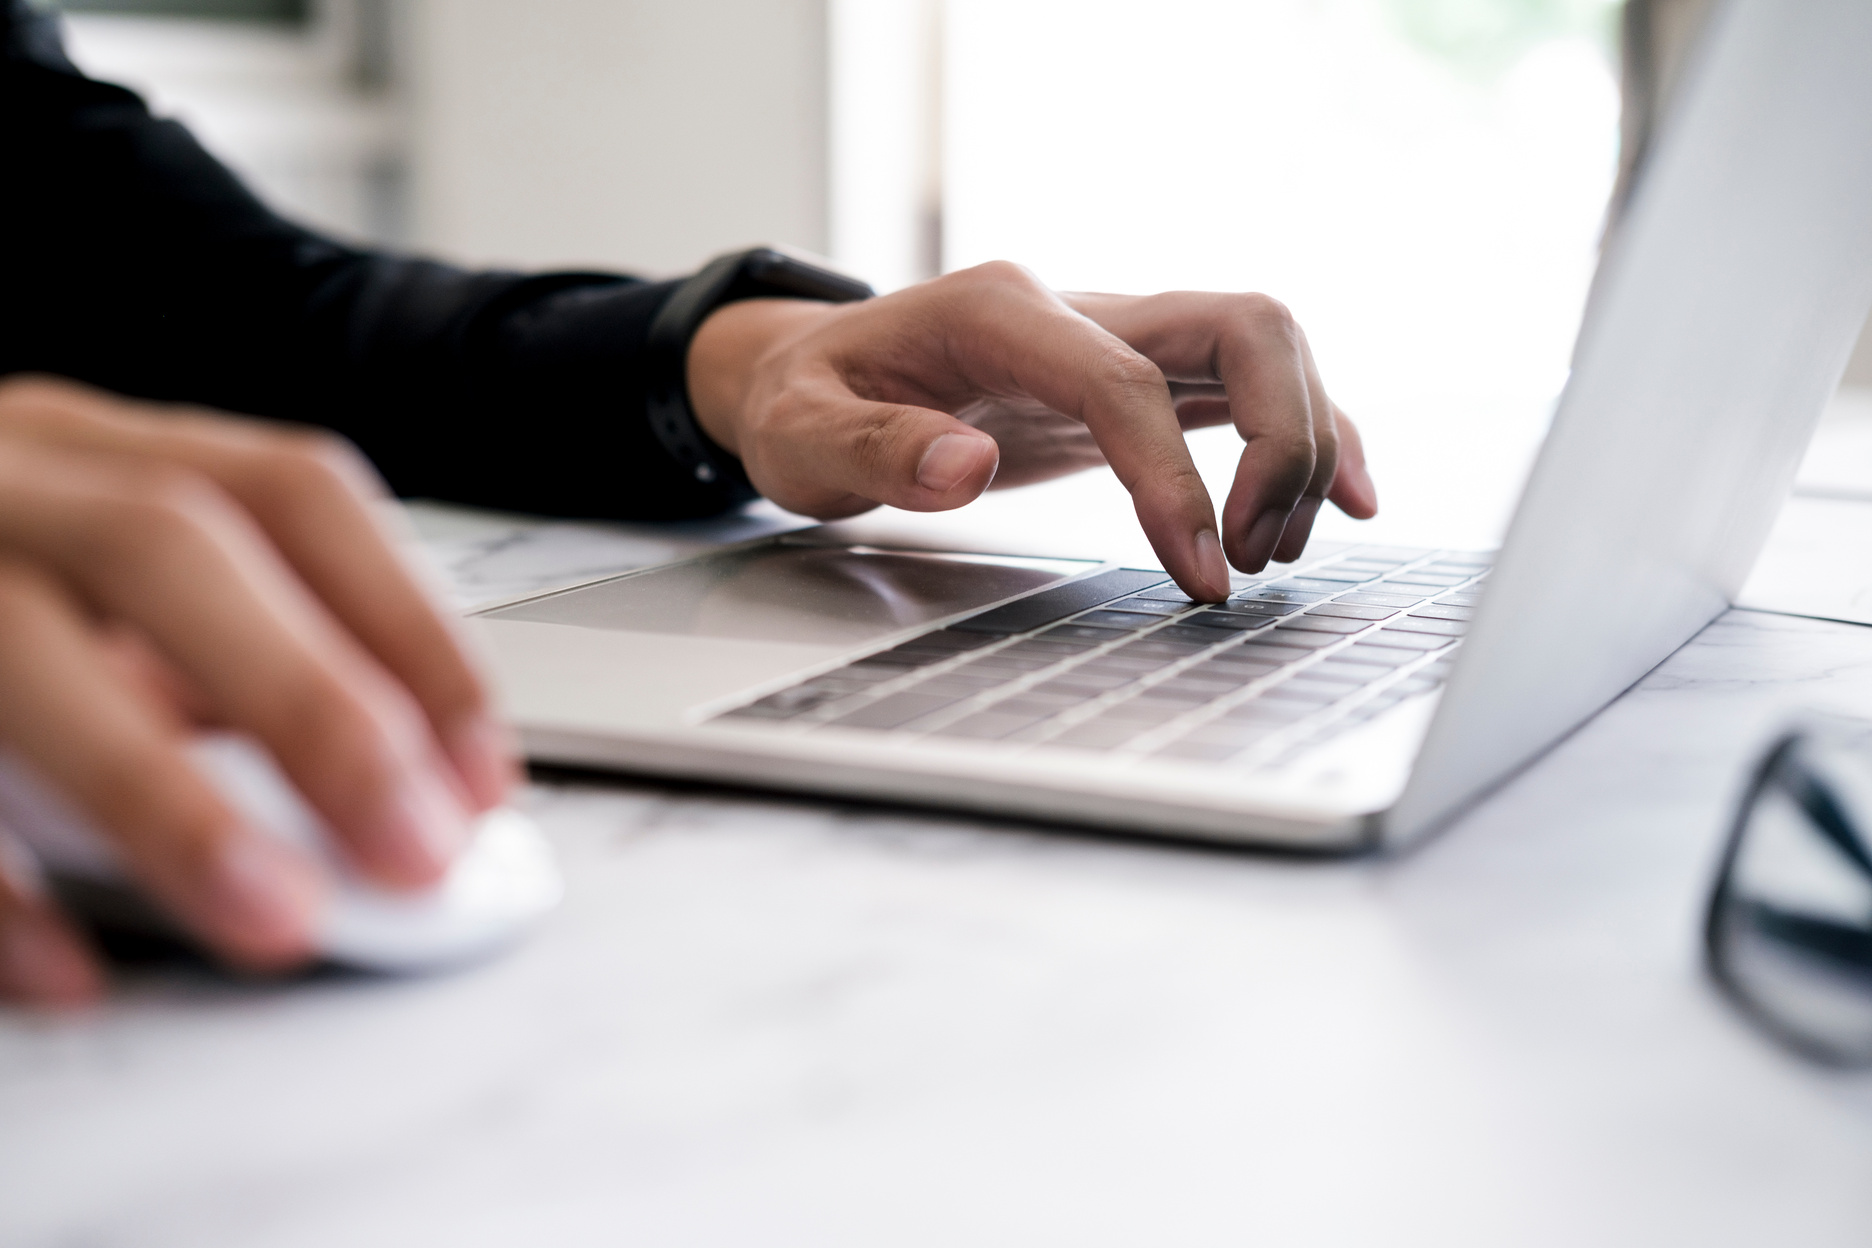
(1365, 694)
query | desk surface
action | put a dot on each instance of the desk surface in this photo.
(771, 1022)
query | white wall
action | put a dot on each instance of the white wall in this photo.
(638, 134)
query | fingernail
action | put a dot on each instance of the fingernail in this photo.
(1261, 538)
(1210, 565)
(42, 964)
(262, 896)
(948, 460)
(483, 751)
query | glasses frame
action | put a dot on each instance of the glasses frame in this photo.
(1779, 769)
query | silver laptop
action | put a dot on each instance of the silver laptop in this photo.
(1366, 693)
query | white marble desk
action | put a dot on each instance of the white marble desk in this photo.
(770, 1022)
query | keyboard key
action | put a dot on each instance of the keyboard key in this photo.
(799, 700)
(1037, 610)
(1250, 606)
(1278, 595)
(962, 686)
(1147, 710)
(1263, 648)
(1401, 554)
(869, 673)
(1463, 599)
(1152, 606)
(1306, 679)
(1228, 621)
(1312, 623)
(1188, 692)
(1258, 710)
(895, 709)
(991, 725)
(1393, 638)
(1100, 734)
(1340, 572)
(1225, 666)
(1183, 633)
(1167, 592)
(1344, 666)
(1306, 639)
(1127, 620)
(1078, 632)
(916, 656)
(1051, 649)
(1400, 599)
(1035, 705)
(957, 640)
(1315, 586)
(1341, 611)
(1128, 662)
(1008, 661)
(1369, 651)
(1414, 623)
(1443, 611)
(1084, 684)
(1170, 649)
(1287, 691)
(1414, 579)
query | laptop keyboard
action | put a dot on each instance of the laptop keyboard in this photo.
(1123, 663)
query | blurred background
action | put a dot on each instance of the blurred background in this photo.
(1423, 181)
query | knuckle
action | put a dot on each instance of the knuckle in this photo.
(312, 466)
(1002, 273)
(1267, 314)
(1120, 366)
(874, 439)
(157, 510)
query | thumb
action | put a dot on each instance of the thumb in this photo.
(843, 454)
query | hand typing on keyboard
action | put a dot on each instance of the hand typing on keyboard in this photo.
(922, 398)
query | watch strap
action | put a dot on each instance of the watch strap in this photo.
(763, 272)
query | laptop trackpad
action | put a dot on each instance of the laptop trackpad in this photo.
(787, 590)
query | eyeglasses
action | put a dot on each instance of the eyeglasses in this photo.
(1789, 932)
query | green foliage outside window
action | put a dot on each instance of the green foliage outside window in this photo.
(1484, 37)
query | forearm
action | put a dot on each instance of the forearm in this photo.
(138, 263)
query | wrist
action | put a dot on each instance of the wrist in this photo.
(726, 354)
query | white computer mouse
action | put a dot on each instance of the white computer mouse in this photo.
(501, 885)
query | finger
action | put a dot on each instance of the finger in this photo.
(167, 551)
(322, 506)
(43, 962)
(1258, 355)
(121, 761)
(827, 453)
(1020, 338)
(1352, 491)
(1293, 538)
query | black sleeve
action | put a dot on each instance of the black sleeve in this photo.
(131, 259)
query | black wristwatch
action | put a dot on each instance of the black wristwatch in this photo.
(760, 273)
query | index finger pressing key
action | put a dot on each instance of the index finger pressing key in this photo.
(1029, 341)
